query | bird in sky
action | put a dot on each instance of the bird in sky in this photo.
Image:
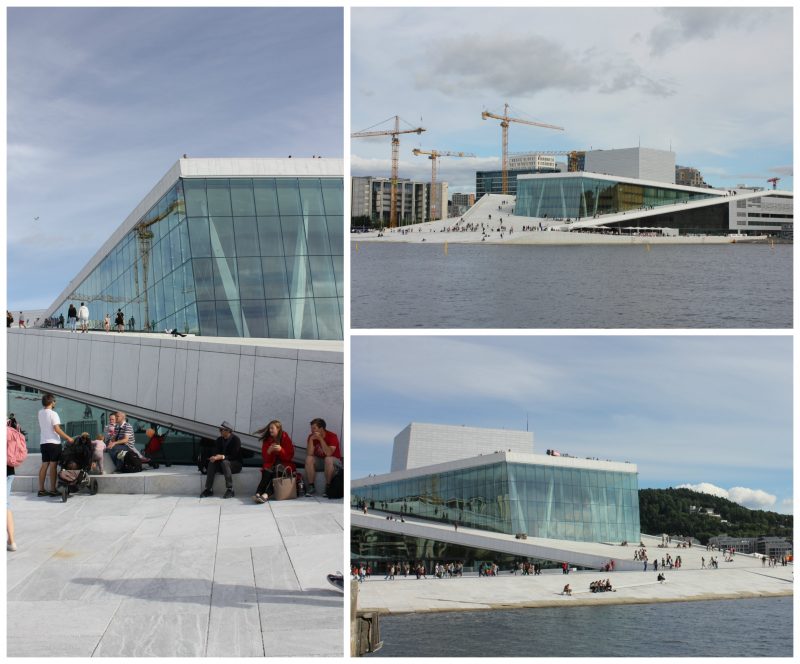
(36, 218)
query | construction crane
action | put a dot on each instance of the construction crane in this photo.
(394, 133)
(504, 120)
(433, 155)
(774, 182)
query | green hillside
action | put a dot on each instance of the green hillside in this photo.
(667, 511)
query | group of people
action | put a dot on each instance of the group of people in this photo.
(323, 454)
(601, 586)
(116, 440)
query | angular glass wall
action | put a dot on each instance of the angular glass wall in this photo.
(581, 197)
(244, 257)
(541, 501)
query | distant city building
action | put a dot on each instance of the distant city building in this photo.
(531, 161)
(639, 163)
(773, 546)
(689, 177)
(372, 199)
(766, 545)
(441, 198)
(460, 203)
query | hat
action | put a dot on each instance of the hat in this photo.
(225, 425)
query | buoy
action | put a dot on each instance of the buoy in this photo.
(647, 247)
(356, 247)
(445, 248)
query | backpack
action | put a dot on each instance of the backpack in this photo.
(336, 487)
(17, 450)
(131, 463)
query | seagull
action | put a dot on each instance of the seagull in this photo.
(36, 218)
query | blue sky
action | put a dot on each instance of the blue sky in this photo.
(688, 410)
(714, 84)
(101, 102)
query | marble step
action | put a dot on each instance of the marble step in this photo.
(172, 481)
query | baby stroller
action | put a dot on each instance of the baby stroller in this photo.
(75, 462)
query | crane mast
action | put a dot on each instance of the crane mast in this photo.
(434, 155)
(505, 119)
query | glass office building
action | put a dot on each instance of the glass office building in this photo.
(585, 195)
(226, 247)
(562, 500)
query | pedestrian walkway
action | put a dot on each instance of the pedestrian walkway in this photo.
(171, 576)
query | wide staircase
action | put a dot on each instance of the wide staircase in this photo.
(172, 480)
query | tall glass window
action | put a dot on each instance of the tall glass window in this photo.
(258, 257)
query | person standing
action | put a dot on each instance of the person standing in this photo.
(119, 321)
(72, 316)
(21, 320)
(276, 448)
(9, 318)
(322, 454)
(83, 315)
(107, 323)
(49, 443)
(227, 460)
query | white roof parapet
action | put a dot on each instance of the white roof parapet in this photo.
(198, 167)
(498, 457)
(621, 178)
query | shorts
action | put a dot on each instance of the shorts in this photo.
(319, 463)
(9, 482)
(50, 452)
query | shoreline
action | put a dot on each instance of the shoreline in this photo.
(560, 238)
(432, 595)
(573, 601)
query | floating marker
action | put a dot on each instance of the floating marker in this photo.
(445, 248)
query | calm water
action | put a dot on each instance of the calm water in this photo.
(723, 628)
(485, 286)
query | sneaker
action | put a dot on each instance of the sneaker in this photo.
(258, 498)
(206, 493)
(11, 547)
(310, 490)
(337, 581)
(229, 494)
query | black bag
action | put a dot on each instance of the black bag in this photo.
(336, 487)
(206, 452)
(131, 463)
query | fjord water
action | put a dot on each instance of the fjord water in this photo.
(402, 285)
(720, 628)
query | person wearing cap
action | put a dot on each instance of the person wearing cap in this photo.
(227, 460)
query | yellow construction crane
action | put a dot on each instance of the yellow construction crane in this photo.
(394, 133)
(504, 120)
(433, 155)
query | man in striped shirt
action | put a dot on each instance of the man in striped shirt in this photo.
(123, 436)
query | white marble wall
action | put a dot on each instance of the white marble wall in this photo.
(194, 381)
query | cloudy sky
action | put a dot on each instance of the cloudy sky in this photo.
(714, 84)
(102, 102)
(712, 411)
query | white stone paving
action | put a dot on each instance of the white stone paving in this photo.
(147, 575)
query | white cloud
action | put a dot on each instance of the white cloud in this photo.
(787, 506)
(754, 499)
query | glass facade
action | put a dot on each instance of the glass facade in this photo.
(553, 502)
(241, 257)
(491, 182)
(579, 197)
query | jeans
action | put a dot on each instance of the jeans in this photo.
(72, 323)
(228, 468)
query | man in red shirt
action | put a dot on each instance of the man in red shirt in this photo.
(322, 454)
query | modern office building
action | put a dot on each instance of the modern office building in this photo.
(491, 480)
(372, 199)
(491, 182)
(639, 163)
(589, 200)
(249, 247)
(441, 197)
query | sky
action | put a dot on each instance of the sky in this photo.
(712, 413)
(102, 102)
(712, 84)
